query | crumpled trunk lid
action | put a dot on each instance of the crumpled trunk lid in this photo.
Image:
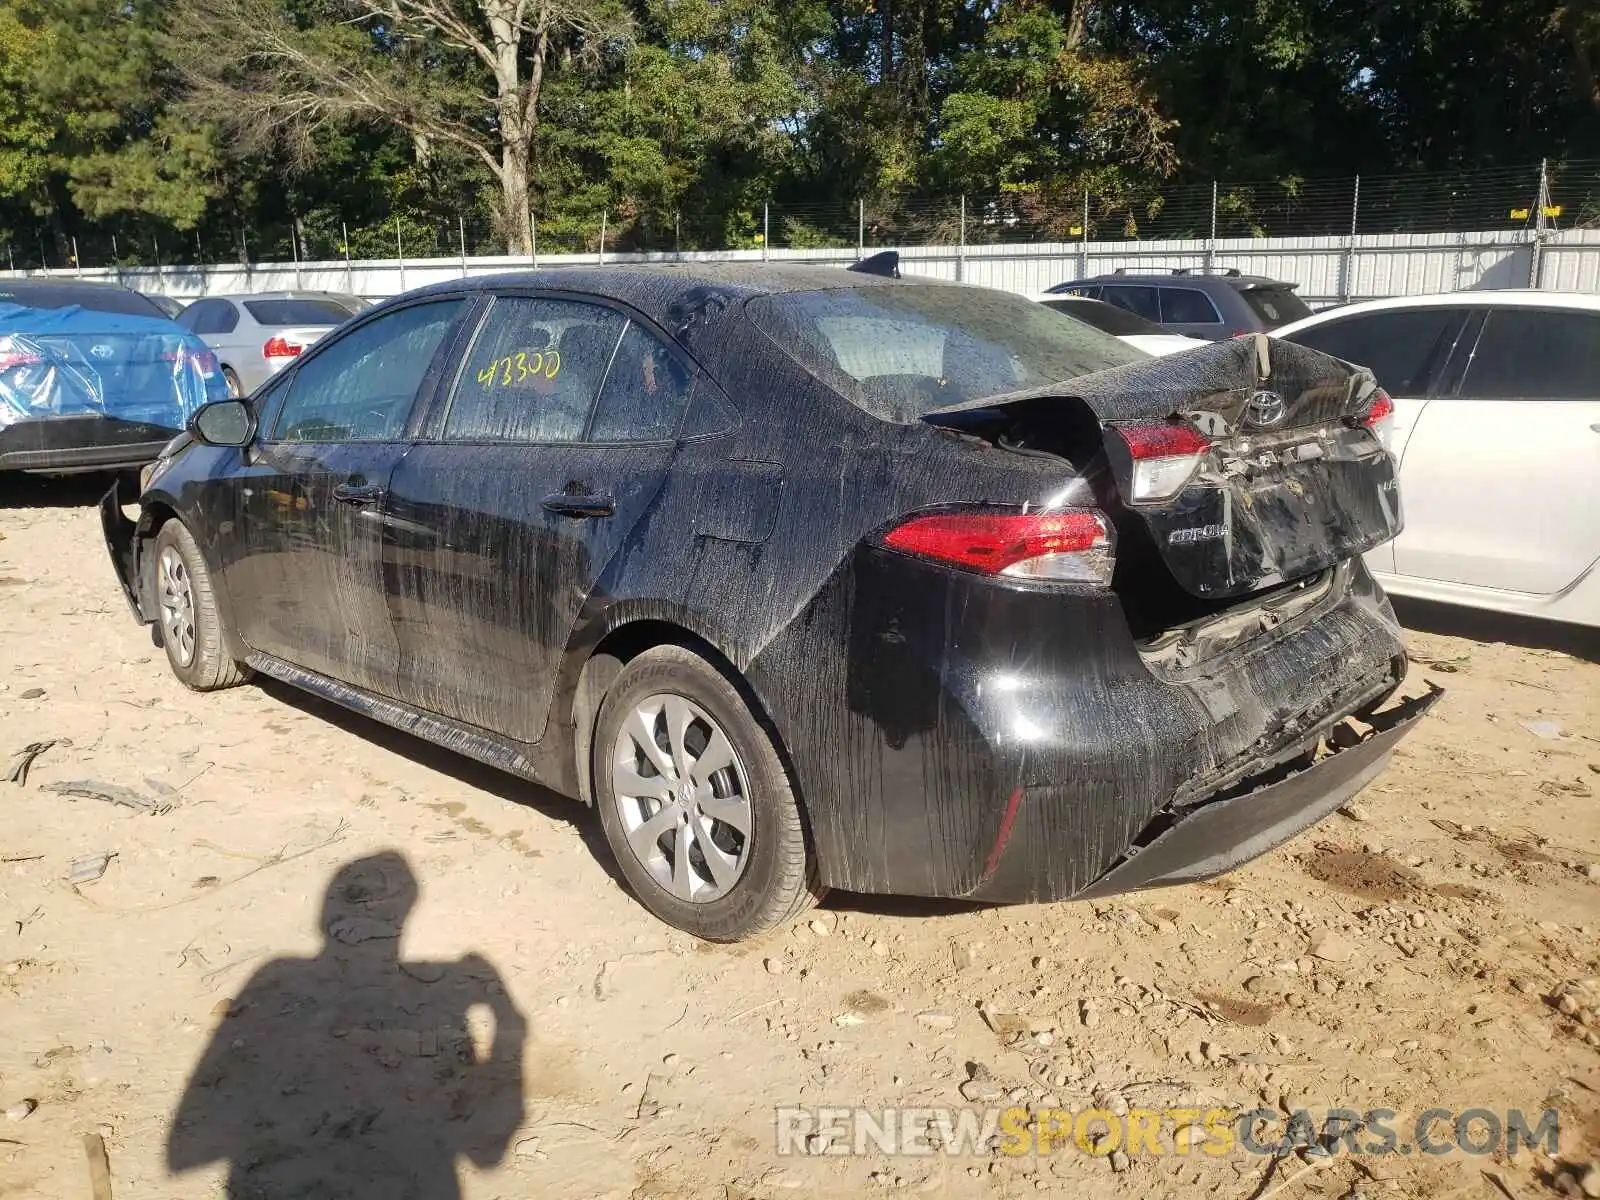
(1293, 482)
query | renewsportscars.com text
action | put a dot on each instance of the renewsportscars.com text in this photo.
(1212, 1132)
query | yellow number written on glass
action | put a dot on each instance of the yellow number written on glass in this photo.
(515, 368)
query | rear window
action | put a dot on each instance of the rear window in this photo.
(297, 312)
(1275, 305)
(65, 295)
(900, 351)
(1107, 318)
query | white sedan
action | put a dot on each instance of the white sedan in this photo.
(1496, 428)
(1130, 327)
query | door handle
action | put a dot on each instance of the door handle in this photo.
(1595, 427)
(358, 495)
(565, 504)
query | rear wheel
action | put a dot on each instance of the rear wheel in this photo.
(695, 802)
(232, 381)
(190, 623)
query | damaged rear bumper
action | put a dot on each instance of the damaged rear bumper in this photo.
(122, 543)
(1191, 840)
(1208, 839)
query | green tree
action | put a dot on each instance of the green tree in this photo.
(26, 131)
(1039, 102)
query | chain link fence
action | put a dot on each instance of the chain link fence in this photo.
(1537, 197)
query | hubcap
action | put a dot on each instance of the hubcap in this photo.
(177, 606)
(683, 798)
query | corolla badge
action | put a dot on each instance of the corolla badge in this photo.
(102, 351)
(1265, 409)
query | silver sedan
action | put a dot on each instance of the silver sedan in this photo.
(256, 335)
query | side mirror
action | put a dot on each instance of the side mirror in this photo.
(224, 423)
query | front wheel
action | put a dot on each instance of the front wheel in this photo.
(190, 623)
(695, 802)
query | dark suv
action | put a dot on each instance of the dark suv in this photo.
(1200, 306)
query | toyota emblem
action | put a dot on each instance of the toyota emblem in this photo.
(101, 351)
(1265, 409)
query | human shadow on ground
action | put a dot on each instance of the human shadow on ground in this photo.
(356, 1075)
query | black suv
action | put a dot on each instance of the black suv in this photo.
(1200, 306)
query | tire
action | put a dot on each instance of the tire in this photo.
(772, 877)
(232, 381)
(187, 617)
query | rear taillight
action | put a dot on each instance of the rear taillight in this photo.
(203, 361)
(1382, 409)
(1380, 417)
(279, 347)
(14, 355)
(1165, 458)
(1060, 547)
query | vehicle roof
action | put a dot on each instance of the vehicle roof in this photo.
(1170, 277)
(26, 282)
(1507, 298)
(654, 288)
(292, 294)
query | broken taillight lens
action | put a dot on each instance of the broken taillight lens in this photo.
(1165, 457)
(1380, 417)
(1071, 546)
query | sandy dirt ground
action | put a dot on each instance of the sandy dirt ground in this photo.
(322, 947)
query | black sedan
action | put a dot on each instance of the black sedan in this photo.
(807, 578)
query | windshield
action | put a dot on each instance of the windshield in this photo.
(1107, 318)
(94, 299)
(899, 351)
(297, 312)
(1275, 305)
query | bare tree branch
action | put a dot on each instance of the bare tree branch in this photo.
(464, 73)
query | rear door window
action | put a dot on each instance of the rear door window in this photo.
(193, 317)
(360, 387)
(1275, 305)
(210, 317)
(1403, 347)
(645, 391)
(1534, 353)
(1141, 300)
(1188, 306)
(533, 371)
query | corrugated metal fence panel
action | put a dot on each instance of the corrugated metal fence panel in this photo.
(1571, 262)
(1327, 269)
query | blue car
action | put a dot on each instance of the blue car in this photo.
(93, 377)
